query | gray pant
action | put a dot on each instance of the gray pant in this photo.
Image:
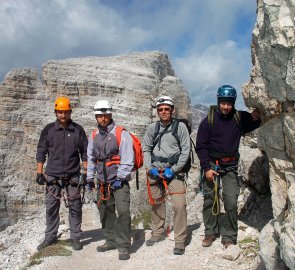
(179, 207)
(117, 228)
(53, 193)
(225, 224)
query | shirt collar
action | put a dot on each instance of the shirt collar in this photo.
(70, 125)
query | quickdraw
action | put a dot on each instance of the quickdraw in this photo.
(102, 196)
(217, 207)
(165, 184)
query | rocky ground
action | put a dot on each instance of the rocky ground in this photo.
(18, 244)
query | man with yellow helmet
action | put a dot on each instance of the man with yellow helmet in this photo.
(63, 143)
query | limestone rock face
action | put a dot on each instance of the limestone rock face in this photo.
(272, 90)
(131, 82)
(199, 112)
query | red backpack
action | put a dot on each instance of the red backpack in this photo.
(137, 149)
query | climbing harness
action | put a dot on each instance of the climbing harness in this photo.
(65, 182)
(163, 182)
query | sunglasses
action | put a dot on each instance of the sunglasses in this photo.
(164, 109)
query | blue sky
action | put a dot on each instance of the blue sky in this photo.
(208, 42)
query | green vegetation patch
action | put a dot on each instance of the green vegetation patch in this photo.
(64, 242)
(58, 249)
(249, 246)
(145, 218)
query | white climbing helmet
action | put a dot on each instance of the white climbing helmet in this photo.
(165, 100)
(102, 107)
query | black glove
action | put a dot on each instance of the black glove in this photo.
(40, 179)
(90, 185)
(83, 179)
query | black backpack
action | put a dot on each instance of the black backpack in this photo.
(212, 110)
(175, 122)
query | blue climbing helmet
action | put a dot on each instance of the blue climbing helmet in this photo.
(226, 93)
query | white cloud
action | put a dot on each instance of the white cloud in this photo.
(199, 36)
(219, 64)
(33, 32)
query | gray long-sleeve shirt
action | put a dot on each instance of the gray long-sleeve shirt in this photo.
(168, 147)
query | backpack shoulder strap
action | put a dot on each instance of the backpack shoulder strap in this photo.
(237, 117)
(174, 130)
(156, 133)
(119, 130)
(212, 110)
(93, 133)
(157, 129)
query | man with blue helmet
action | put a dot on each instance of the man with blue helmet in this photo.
(217, 147)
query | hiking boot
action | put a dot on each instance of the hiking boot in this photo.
(46, 243)
(123, 254)
(178, 251)
(154, 239)
(105, 247)
(227, 243)
(76, 244)
(208, 240)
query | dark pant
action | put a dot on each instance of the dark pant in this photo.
(53, 193)
(225, 224)
(117, 228)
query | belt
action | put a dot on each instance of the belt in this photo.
(68, 178)
(62, 179)
(227, 159)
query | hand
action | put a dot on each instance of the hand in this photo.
(255, 114)
(90, 185)
(83, 179)
(210, 175)
(168, 174)
(117, 184)
(40, 179)
(154, 172)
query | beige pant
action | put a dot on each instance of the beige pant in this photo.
(179, 207)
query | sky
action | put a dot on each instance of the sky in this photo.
(208, 41)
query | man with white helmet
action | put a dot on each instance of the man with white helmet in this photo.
(63, 142)
(112, 165)
(165, 155)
